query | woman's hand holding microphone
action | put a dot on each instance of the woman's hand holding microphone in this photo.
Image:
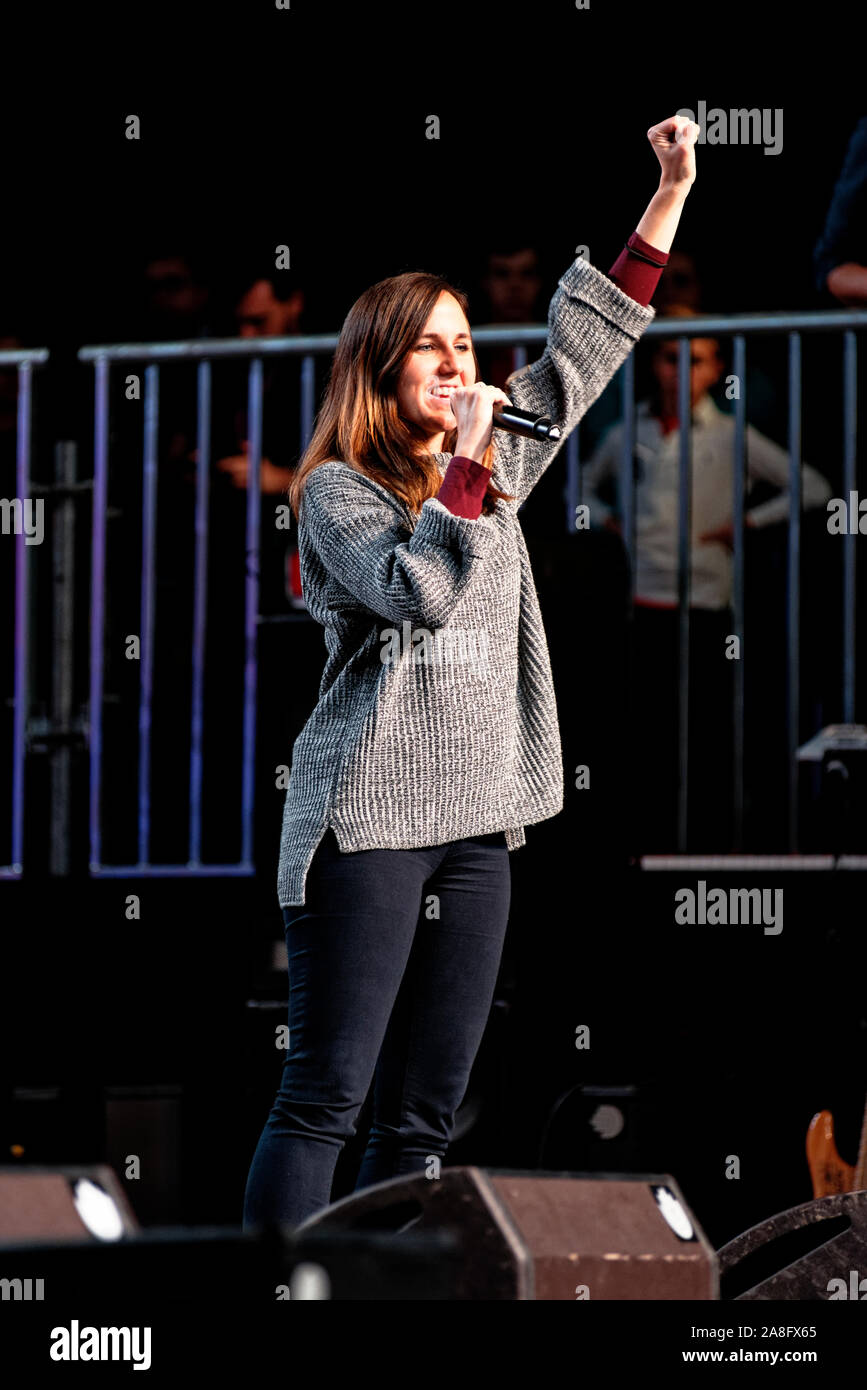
(473, 409)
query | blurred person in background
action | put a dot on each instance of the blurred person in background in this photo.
(268, 303)
(512, 292)
(840, 254)
(655, 615)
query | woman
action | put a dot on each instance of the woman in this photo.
(435, 738)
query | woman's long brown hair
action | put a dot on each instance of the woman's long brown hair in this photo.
(358, 422)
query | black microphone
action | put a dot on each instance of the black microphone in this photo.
(509, 417)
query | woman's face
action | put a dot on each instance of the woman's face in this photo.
(442, 358)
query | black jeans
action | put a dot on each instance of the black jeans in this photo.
(393, 961)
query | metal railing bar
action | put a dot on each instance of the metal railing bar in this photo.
(850, 435)
(23, 624)
(684, 557)
(254, 504)
(200, 605)
(97, 604)
(516, 335)
(739, 371)
(148, 608)
(793, 586)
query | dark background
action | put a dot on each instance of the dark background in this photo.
(307, 127)
(266, 128)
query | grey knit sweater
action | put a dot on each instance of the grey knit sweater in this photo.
(436, 716)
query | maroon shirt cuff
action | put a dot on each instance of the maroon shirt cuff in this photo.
(464, 486)
(635, 276)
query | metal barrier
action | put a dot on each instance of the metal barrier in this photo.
(308, 349)
(737, 327)
(25, 360)
(204, 352)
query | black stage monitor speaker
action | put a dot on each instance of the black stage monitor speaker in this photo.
(207, 1266)
(67, 1203)
(540, 1235)
(71, 1230)
(815, 1251)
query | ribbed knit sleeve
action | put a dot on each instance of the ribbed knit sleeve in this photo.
(361, 536)
(592, 328)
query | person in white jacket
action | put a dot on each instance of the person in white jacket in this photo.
(654, 702)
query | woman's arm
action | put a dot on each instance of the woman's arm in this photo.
(673, 142)
(659, 223)
(593, 325)
(361, 539)
(641, 262)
